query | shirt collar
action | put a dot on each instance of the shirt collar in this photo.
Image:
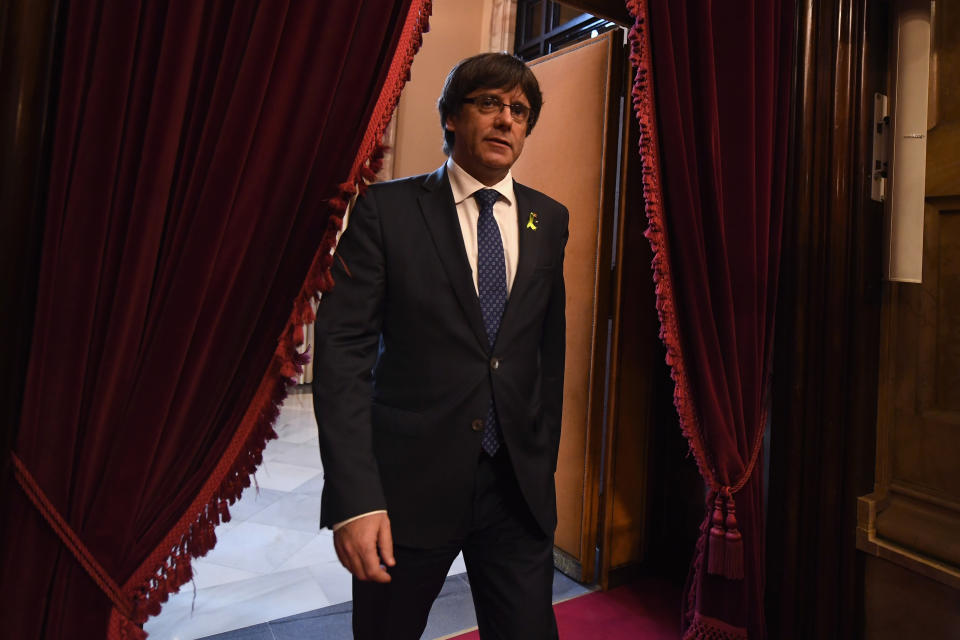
(465, 185)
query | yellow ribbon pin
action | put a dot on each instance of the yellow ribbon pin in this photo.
(532, 221)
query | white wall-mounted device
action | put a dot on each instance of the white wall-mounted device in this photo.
(904, 201)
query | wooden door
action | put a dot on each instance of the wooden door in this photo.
(573, 155)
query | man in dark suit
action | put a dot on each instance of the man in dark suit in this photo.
(439, 374)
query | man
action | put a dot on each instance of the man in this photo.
(439, 374)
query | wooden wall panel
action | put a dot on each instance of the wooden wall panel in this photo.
(947, 355)
(910, 523)
(615, 10)
(920, 385)
(905, 604)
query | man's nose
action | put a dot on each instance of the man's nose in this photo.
(504, 119)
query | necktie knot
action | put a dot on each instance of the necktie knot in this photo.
(485, 198)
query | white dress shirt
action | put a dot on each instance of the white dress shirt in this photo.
(504, 212)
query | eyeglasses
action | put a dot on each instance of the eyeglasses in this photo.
(492, 104)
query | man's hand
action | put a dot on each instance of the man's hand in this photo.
(365, 543)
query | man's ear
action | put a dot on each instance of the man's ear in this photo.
(450, 125)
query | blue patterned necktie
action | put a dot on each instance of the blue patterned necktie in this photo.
(492, 291)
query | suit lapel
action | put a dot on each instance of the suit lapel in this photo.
(529, 248)
(440, 214)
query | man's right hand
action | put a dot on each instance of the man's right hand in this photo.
(364, 545)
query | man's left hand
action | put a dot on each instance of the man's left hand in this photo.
(363, 543)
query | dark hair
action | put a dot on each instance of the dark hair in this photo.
(486, 71)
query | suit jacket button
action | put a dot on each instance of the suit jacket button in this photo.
(494, 363)
(477, 425)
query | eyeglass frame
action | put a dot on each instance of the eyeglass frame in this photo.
(525, 116)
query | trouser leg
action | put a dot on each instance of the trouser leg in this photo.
(509, 559)
(398, 610)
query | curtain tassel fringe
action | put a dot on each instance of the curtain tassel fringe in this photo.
(733, 544)
(725, 548)
(122, 628)
(716, 546)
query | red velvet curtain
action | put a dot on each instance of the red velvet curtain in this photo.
(203, 152)
(712, 99)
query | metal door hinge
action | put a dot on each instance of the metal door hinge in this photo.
(880, 165)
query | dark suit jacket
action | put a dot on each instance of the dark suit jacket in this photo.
(403, 372)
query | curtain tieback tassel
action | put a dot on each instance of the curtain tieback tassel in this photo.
(725, 547)
(716, 546)
(733, 549)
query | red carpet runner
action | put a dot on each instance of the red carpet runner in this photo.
(648, 610)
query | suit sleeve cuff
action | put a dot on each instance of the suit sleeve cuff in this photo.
(362, 515)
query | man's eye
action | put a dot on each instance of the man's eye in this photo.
(489, 101)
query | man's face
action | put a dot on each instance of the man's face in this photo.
(487, 145)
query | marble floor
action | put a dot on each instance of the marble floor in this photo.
(452, 614)
(271, 561)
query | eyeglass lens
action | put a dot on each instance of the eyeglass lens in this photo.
(489, 104)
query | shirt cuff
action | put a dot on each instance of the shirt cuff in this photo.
(362, 515)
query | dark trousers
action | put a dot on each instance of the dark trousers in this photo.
(509, 563)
